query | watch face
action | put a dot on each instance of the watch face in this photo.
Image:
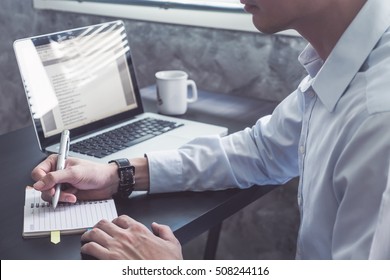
(126, 176)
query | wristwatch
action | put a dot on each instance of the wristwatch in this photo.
(126, 173)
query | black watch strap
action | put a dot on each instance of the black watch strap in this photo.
(126, 173)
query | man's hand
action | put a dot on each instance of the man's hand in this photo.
(85, 179)
(127, 239)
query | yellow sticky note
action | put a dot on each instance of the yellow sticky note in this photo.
(55, 237)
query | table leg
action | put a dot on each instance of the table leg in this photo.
(212, 242)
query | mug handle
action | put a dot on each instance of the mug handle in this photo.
(194, 91)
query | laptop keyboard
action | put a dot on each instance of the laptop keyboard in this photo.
(123, 137)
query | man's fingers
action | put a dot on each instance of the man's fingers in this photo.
(124, 221)
(65, 196)
(47, 195)
(49, 164)
(46, 175)
(101, 232)
(95, 250)
(53, 178)
(163, 232)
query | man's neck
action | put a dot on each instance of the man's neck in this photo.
(325, 29)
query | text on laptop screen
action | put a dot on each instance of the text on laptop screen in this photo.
(83, 77)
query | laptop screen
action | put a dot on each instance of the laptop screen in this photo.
(81, 79)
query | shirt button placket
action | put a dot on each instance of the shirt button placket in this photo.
(302, 149)
(308, 95)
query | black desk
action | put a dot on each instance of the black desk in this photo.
(188, 214)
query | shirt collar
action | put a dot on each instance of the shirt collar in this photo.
(332, 77)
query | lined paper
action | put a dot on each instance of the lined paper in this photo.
(40, 218)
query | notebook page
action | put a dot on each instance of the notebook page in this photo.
(40, 217)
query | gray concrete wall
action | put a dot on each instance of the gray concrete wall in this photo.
(227, 62)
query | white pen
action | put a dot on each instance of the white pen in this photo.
(62, 155)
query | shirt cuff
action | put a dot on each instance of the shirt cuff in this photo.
(165, 171)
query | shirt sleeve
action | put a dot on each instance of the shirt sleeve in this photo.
(360, 178)
(263, 154)
(380, 248)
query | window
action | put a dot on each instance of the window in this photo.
(221, 5)
(222, 14)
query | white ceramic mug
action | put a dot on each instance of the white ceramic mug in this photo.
(172, 92)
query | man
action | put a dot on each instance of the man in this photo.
(333, 132)
(380, 248)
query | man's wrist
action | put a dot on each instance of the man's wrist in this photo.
(126, 174)
(114, 178)
(142, 174)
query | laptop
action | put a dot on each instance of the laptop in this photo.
(84, 80)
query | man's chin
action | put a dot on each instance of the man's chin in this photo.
(266, 29)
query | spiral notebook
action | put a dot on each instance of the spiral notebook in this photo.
(40, 218)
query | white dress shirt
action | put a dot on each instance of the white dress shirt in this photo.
(380, 248)
(333, 132)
